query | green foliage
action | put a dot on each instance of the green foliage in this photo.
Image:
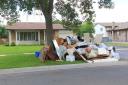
(106, 4)
(13, 44)
(3, 32)
(68, 14)
(76, 31)
(66, 11)
(71, 24)
(6, 44)
(9, 9)
(87, 27)
(57, 21)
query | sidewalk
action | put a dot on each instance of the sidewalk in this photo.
(58, 67)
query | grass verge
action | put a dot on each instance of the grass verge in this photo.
(18, 49)
(117, 44)
(16, 59)
(19, 61)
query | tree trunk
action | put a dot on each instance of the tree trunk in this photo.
(49, 29)
(47, 9)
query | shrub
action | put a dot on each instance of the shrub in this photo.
(13, 44)
(3, 32)
(6, 44)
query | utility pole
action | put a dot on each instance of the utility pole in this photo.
(113, 28)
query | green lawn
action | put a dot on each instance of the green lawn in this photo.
(117, 43)
(15, 58)
(18, 49)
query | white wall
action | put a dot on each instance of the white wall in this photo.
(99, 29)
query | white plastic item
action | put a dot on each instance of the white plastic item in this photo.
(103, 51)
(70, 58)
(116, 56)
(70, 51)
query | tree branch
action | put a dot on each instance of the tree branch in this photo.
(42, 5)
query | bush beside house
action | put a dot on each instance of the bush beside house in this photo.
(3, 35)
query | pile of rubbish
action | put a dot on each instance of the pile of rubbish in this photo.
(77, 48)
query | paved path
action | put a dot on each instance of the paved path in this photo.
(81, 74)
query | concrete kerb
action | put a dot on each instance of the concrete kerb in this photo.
(58, 67)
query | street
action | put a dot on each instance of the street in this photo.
(98, 75)
(123, 52)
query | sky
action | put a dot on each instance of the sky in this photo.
(118, 14)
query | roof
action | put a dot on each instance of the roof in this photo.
(118, 25)
(109, 23)
(32, 25)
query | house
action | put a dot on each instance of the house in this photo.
(118, 31)
(32, 32)
(99, 29)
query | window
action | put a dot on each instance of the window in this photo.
(27, 36)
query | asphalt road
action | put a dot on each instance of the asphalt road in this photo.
(123, 52)
(99, 75)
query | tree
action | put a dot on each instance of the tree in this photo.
(69, 9)
(3, 32)
(47, 9)
(56, 21)
(68, 14)
(87, 27)
(10, 10)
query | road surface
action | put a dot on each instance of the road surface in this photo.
(123, 51)
(95, 75)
